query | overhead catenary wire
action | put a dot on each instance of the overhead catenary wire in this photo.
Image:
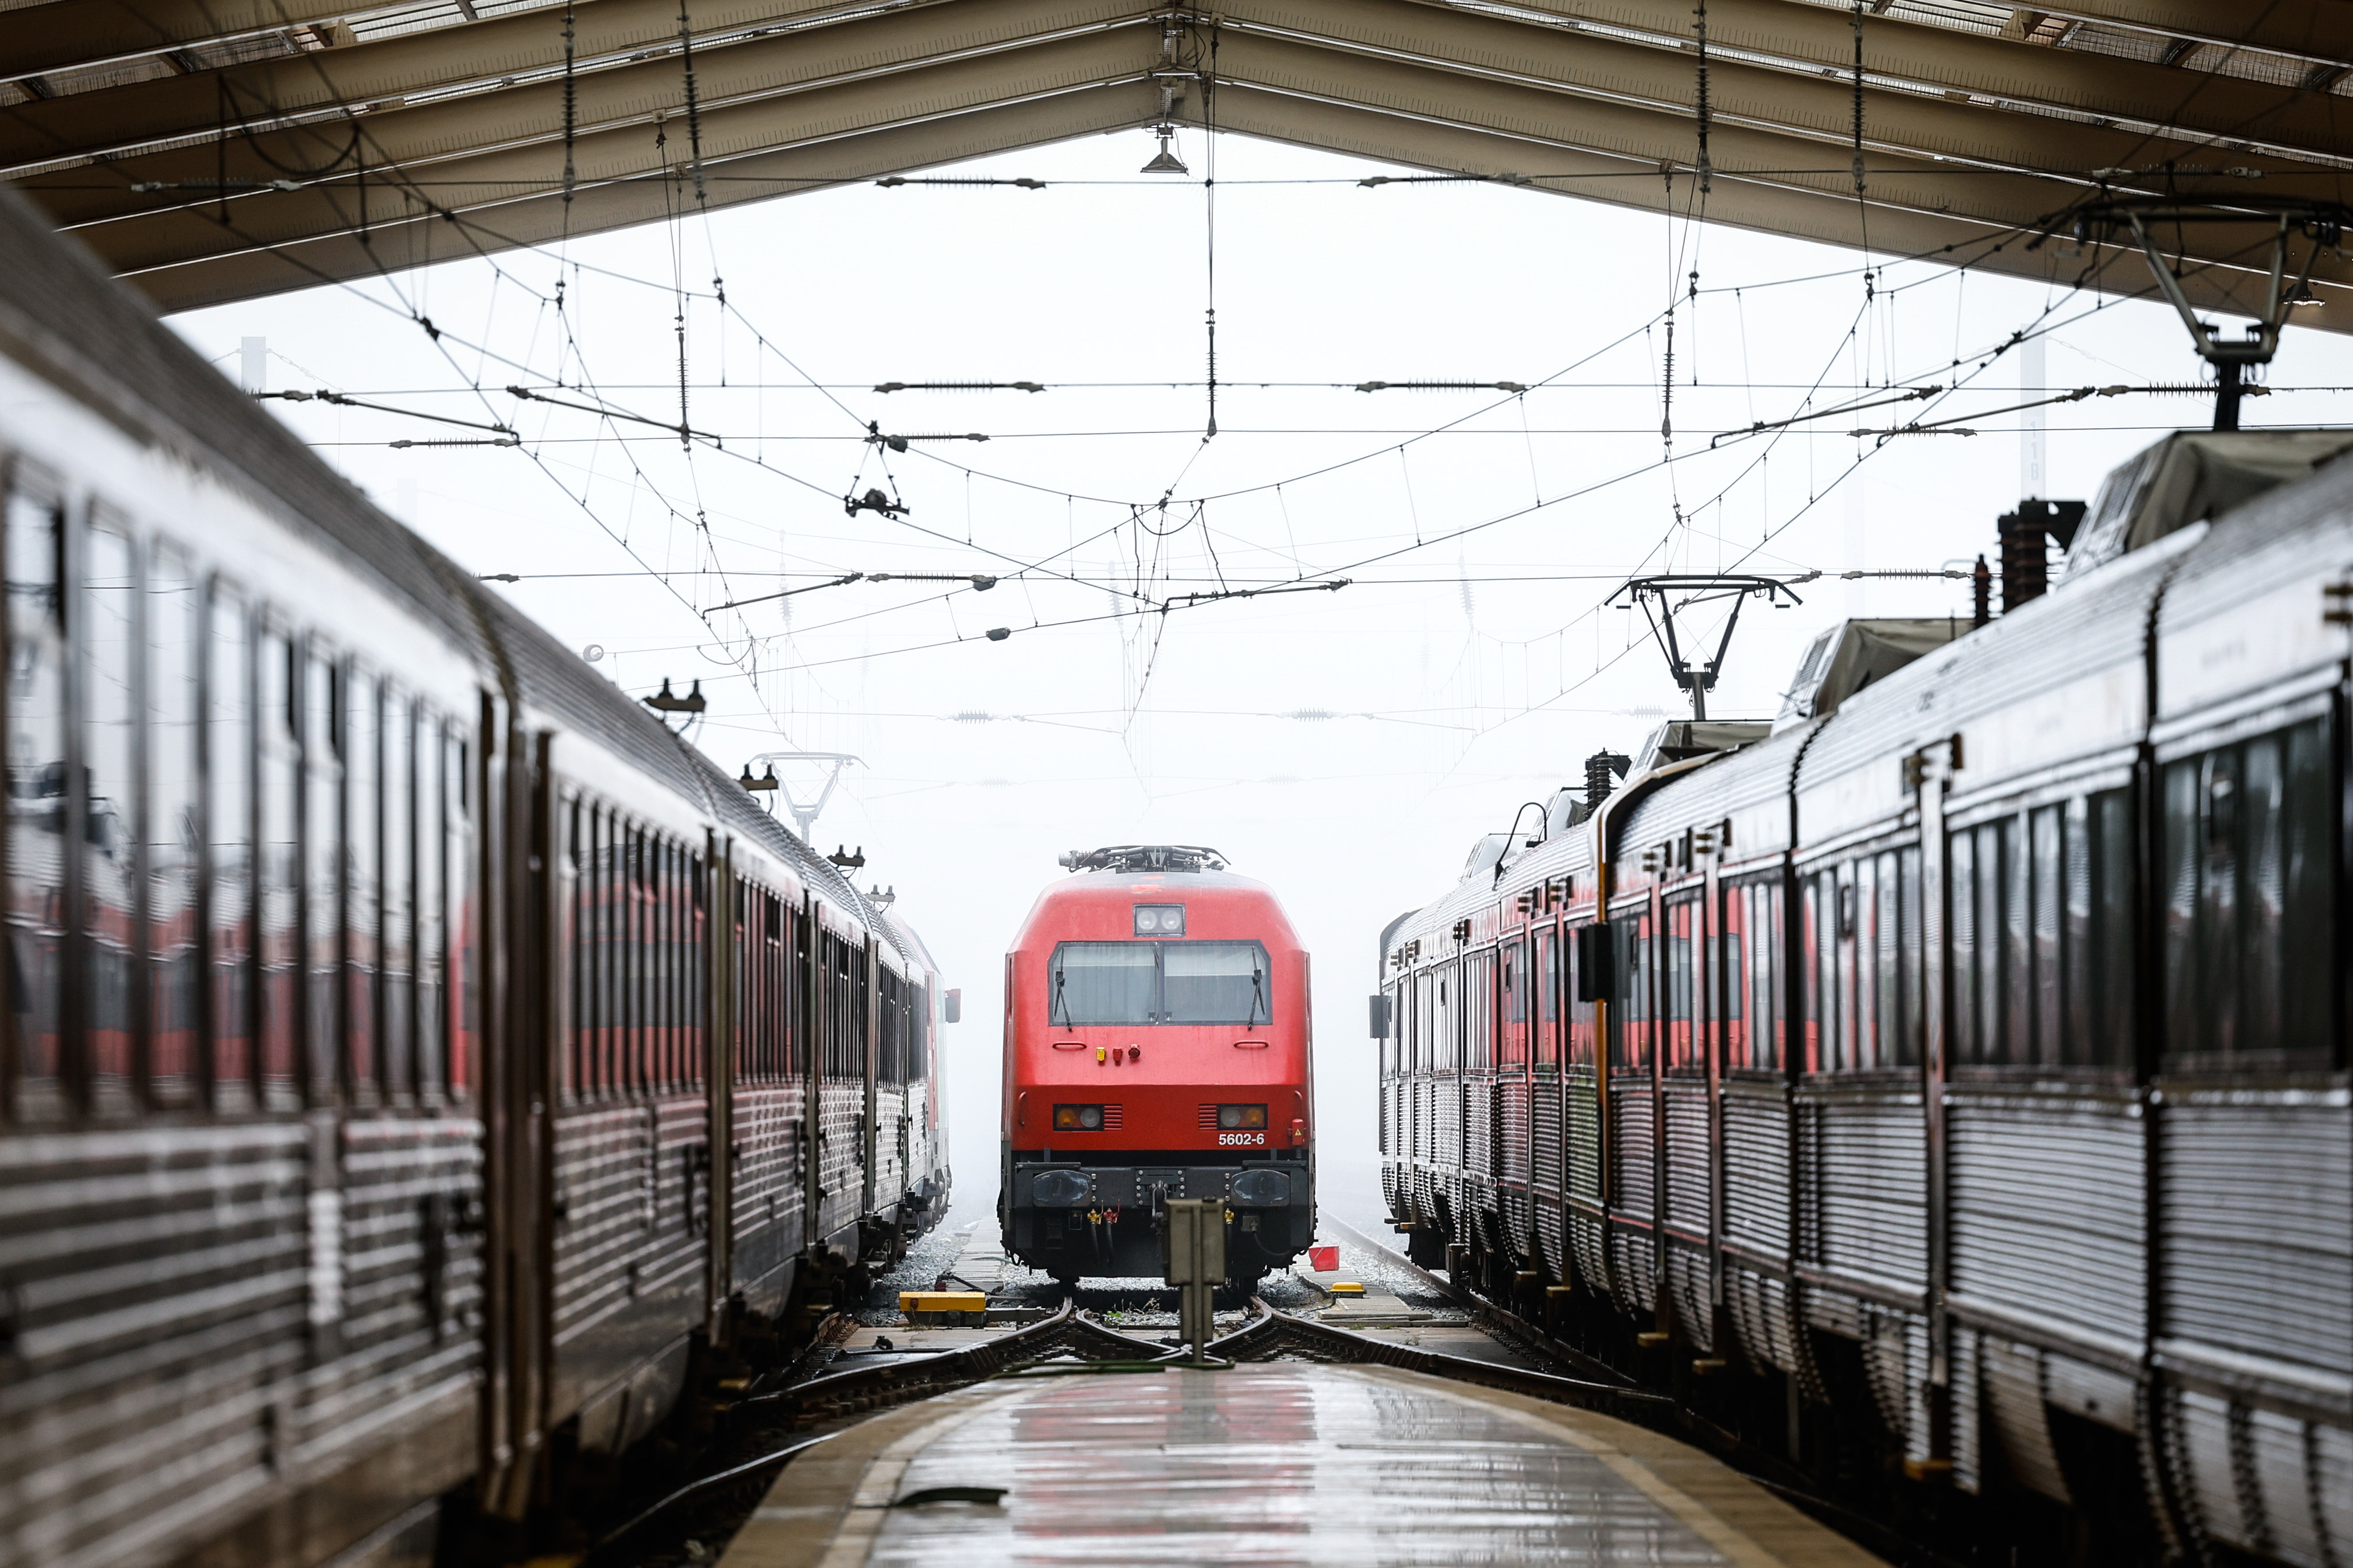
(608, 412)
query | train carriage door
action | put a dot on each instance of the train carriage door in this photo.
(1929, 772)
(507, 992)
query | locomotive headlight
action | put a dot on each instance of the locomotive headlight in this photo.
(1233, 1116)
(1160, 919)
(1077, 1119)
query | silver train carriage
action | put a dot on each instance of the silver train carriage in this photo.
(1968, 1047)
(378, 1007)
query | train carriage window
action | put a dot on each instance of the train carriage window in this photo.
(1577, 991)
(1819, 942)
(2305, 880)
(397, 938)
(2041, 922)
(654, 936)
(1994, 855)
(2115, 895)
(2017, 929)
(1679, 982)
(638, 1069)
(1448, 1015)
(433, 881)
(1960, 935)
(612, 995)
(2077, 1005)
(2046, 859)
(698, 1023)
(1731, 978)
(36, 803)
(578, 1067)
(323, 829)
(1475, 982)
(452, 958)
(1546, 974)
(228, 830)
(175, 621)
(661, 895)
(1762, 928)
(278, 783)
(1884, 1045)
(588, 953)
(1630, 998)
(110, 829)
(1512, 1005)
(1425, 1032)
(1908, 1045)
(744, 1050)
(2250, 842)
(362, 861)
(782, 926)
(2262, 937)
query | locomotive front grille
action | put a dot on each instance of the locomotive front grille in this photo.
(1209, 1118)
(1111, 1118)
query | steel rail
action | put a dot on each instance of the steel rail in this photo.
(1278, 1332)
(871, 1387)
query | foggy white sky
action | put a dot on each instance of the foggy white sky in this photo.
(1345, 747)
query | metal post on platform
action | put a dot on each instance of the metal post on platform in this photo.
(1193, 1239)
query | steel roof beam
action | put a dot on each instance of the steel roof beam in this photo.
(2225, 108)
(1655, 139)
(358, 75)
(627, 95)
(2312, 29)
(1387, 138)
(1808, 37)
(191, 227)
(66, 33)
(1889, 232)
(1805, 104)
(1899, 125)
(416, 241)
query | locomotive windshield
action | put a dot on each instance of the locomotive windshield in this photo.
(1158, 982)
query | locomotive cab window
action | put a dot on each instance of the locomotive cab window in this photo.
(1145, 982)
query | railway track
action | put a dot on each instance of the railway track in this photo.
(764, 1431)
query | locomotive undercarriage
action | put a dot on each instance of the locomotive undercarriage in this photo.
(1102, 1221)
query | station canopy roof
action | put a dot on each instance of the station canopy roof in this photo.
(221, 149)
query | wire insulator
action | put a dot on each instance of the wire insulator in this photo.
(1707, 169)
(571, 107)
(1858, 97)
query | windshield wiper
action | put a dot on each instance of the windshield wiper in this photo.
(1258, 999)
(1061, 1003)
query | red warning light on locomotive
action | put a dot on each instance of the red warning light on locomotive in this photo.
(1156, 1046)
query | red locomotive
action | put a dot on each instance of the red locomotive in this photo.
(1155, 1047)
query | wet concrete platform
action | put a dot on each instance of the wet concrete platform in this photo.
(1279, 1463)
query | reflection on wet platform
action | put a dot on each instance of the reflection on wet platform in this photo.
(1280, 1463)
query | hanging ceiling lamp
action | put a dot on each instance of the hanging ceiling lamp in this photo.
(1165, 162)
